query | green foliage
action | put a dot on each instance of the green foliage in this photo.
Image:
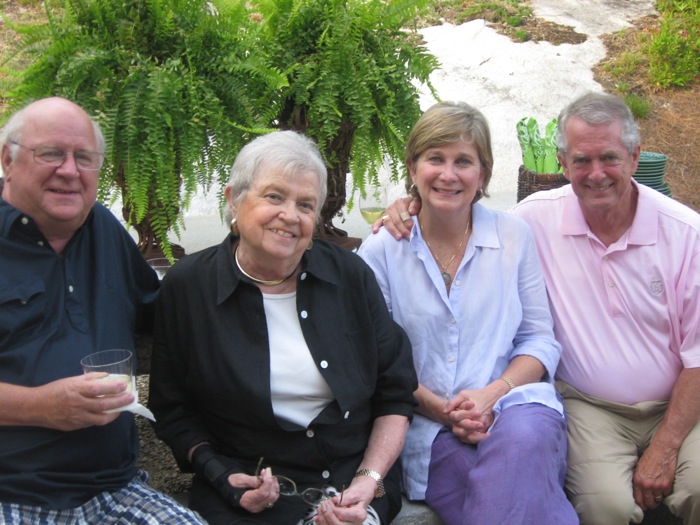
(626, 64)
(510, 12)
(179, 85)
(514, 21)
(521, 35)
(351, 69)
(674, 52)
(638, 105)
(170, 83)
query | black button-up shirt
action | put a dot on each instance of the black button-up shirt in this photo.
(210, 375)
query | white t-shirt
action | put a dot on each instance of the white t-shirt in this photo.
(299, 392)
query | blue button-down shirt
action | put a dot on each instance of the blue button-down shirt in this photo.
(54, 310)
(497, 309)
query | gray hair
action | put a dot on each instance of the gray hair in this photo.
(596, 109)
(289, 151)
(14, 127)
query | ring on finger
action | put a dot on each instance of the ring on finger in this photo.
(405, 216)
(658, 498)
(384, 218)
(269, 505)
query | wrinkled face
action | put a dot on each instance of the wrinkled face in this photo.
(447, 177)
(277, 215)
(598, 165)
(58, 198)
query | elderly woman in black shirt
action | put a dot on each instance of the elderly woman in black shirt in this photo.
(278, 375)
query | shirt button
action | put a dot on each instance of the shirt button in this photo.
(451, 358)
(303, 276)
(70, 288)
(453, 320)
(611, 284)
(456, 283)
(310, 433)
(40, 243)
(325, 474)
(304, 314)
(25, 221)
(324, 364)
(347, 415)
(447, 395)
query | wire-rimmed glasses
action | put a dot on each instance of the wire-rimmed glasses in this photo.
(312, 496)
(55, 156)
(288, 487)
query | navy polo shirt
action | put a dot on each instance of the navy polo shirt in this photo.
(54, 310)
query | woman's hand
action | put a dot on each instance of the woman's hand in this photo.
(397, 217)
(471, 414)
(264, 490)
(350, 507)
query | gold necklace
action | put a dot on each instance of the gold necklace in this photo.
(255, 279)
(444, 273)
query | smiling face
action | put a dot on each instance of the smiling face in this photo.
(276, 219)
(59, 198)
(599, 166)
(447, 177)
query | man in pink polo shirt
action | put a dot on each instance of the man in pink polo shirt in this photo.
(622, 267)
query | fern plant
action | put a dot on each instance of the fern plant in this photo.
(351, 68)
(171, 83)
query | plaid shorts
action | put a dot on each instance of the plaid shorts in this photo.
(136, 504)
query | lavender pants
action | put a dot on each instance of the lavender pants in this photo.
(515, 476)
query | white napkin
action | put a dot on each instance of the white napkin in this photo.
(135, 407)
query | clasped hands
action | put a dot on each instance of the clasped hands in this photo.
(348, 508)
(470, 414)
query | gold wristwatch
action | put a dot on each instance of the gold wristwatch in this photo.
(376, 477)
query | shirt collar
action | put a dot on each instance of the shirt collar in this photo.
(644, 229)
(313, 262)
(8, 216)
(484, 231)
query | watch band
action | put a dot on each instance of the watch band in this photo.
(376, 476)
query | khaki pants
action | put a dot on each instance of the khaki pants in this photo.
(605, 442)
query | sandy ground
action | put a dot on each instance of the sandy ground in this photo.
(505, 79)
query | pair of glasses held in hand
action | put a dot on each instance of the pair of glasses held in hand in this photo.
(288, 487)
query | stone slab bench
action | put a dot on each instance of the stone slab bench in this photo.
(415, 513)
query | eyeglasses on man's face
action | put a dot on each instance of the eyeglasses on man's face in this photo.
(55, 156)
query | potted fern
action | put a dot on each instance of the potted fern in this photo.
(351, 70)
(173, 86)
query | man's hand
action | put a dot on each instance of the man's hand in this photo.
(653, 476)
(397, 217)
(77, 402)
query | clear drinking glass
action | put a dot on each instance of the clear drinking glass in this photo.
(161, 265)
(118, 364)
(373, 204)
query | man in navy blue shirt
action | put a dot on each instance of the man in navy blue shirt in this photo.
(72, 282)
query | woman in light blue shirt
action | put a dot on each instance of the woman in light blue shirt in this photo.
(488, 445)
